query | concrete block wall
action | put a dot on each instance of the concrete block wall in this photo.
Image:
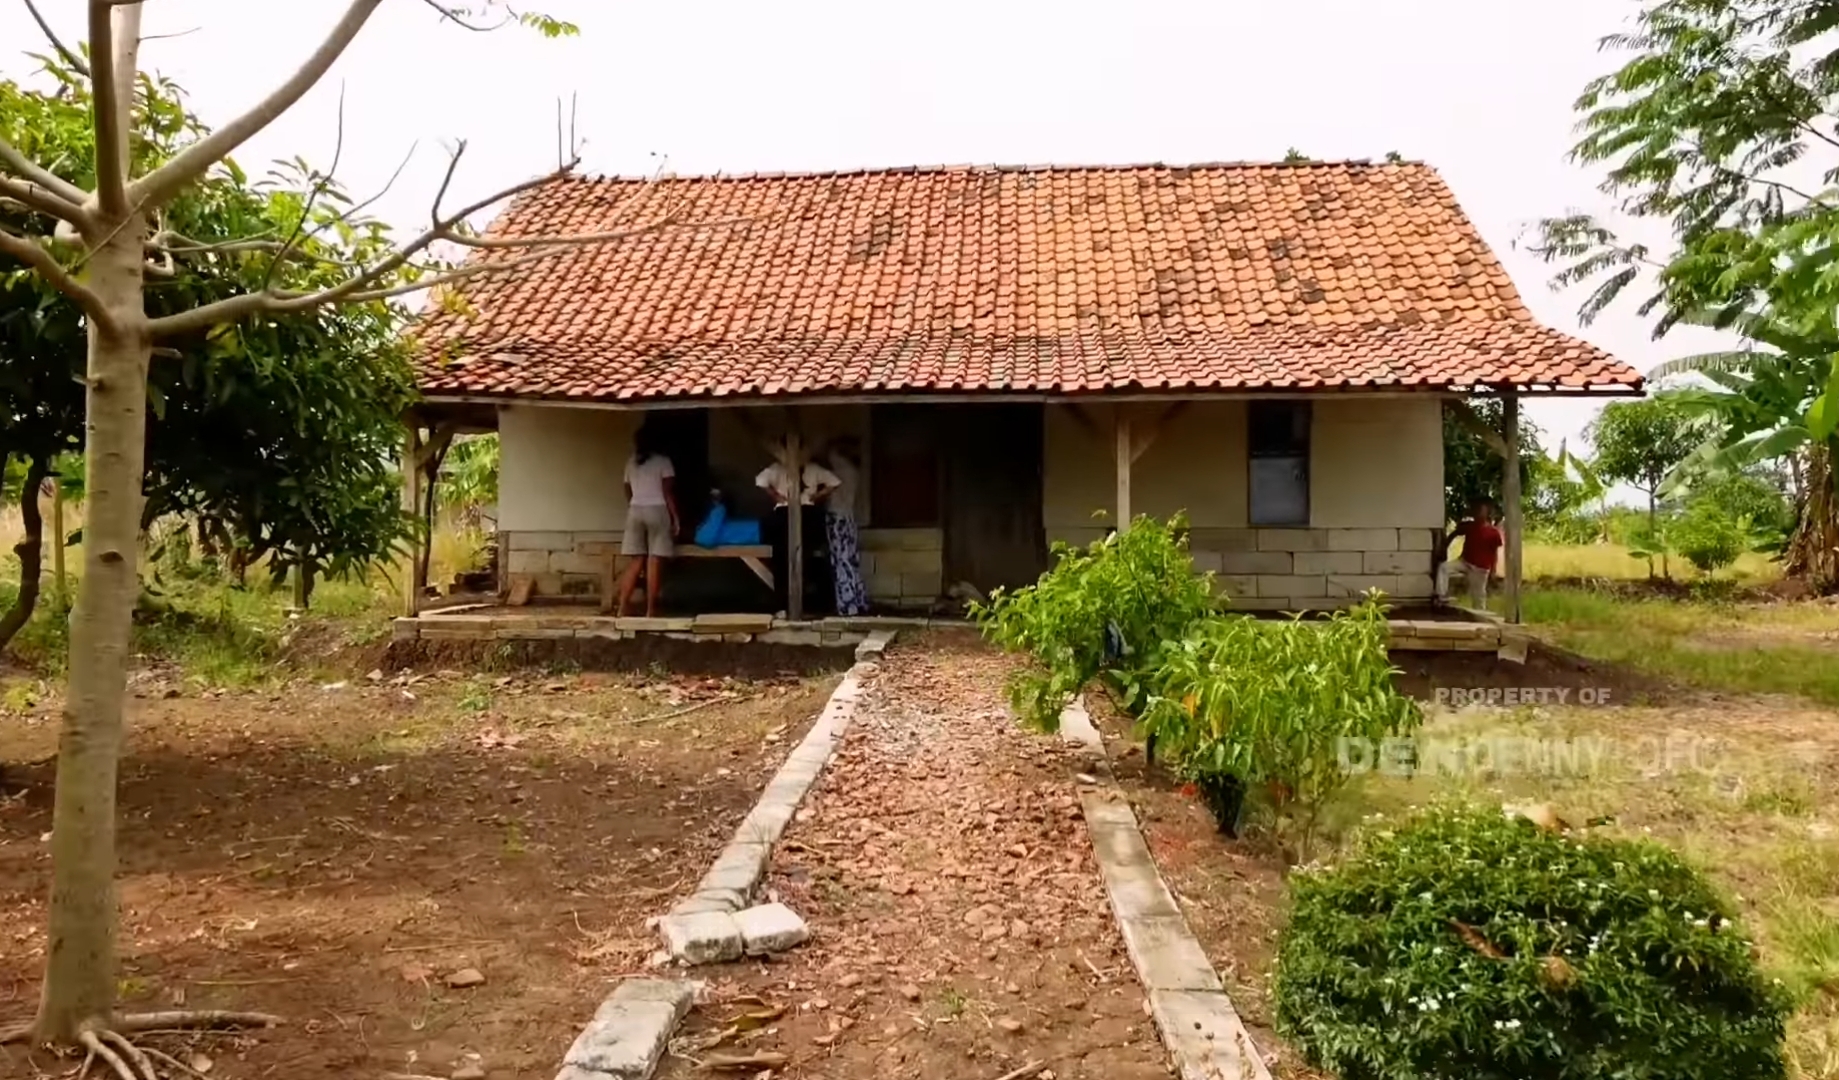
(1314, 569)
(903, 567)
(562, 563)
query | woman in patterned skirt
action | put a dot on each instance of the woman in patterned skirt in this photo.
(844, 459)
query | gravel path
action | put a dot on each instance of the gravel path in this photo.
(959, 924)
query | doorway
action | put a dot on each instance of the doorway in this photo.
(992, 457)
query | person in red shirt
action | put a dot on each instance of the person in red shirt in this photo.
(1481, 546)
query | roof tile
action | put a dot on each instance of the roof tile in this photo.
(1051, 280)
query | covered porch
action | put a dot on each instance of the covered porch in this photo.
(1293, 502)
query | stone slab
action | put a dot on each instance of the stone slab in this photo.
(739, 867)
(629, 1031)
(634, 622)
(1205, 1036)
(1103, 810)
(770, 928)
(739, 623)
(1167, 955)
(706, 937)
(875, 644)
(1131, 880)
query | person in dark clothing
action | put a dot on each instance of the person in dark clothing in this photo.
(816, 482)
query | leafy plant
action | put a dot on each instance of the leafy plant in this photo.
(1269, 703)
(1471, 944)
(1107, 607)
(1709, 537)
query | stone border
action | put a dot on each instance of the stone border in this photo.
(633, 1026)
(1199, 1026)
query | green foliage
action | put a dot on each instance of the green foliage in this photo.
(1470, 944)
(279, 430)
(1269, 702)
(1140, 580)
(1641, 442)
(1473, 472)
(469, 475)
(1709, 537)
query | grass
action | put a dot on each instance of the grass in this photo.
(1737, 806)
(1612, 562)
(1749, 648)
(220, 634)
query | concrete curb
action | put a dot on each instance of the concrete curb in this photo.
(1199, 1026)
(632, 1028)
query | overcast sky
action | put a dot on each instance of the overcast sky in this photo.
(1481, 89)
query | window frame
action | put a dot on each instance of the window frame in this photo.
(1299, 447)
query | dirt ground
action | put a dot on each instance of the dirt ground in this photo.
(960, 928)
(348, 855)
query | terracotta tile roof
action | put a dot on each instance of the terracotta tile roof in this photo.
(1044, 280)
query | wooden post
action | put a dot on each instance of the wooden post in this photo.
(411, 504)
(1125, 456)
(794, 527)
(60, 584)
(1510, 495)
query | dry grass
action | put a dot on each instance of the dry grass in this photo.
(1614, 563)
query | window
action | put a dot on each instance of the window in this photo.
(903, 467)
(1278, 451)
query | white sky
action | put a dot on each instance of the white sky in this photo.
(1481, 89)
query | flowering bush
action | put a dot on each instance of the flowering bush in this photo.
(1470, 944)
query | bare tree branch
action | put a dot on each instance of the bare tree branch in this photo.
(370, 284)
(34, 197)
(34, 255)
(159, 186)
(112, 113)
(306, 210)
(13, 160)
(70, 58)
(452, 15)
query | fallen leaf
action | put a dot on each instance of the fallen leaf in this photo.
(1473, 939)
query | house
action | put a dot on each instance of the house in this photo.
(1027, 355)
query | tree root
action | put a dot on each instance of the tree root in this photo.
(195, 1020)
(127, 1061)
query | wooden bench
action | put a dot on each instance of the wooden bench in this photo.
(755, 557)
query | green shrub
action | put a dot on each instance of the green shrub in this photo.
(1269, 702)
(1473, 945)
(1709, 537)
(1140, 581)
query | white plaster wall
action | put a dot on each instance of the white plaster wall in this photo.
(563, 470)
(1376, 462)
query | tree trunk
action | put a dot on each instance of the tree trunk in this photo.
(1813, 551)
(1653, 538)
(79, 986)
(31, 548)
(60, 581)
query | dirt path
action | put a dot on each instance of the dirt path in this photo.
(959, 925)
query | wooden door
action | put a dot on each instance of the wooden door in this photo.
(992, 457)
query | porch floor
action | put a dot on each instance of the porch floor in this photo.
(1428, 630)
(490, 621)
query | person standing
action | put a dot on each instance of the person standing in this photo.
(815, 482)
(1481, 545)
(651, 520)
(840, 527)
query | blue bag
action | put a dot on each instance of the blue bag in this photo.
(739, 533)
(709, 533)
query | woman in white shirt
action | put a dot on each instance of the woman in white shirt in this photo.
(840, 527)
(651, 520)
(815, 482)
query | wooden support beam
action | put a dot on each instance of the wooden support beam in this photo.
(1145, 434)
(1126, 457)
(411, 504)
(1511, 496)
(794, 526)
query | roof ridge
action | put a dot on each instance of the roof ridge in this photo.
(992, 167)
